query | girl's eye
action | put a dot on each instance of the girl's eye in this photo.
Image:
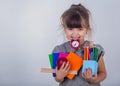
(80, 29)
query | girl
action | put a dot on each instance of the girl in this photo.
(75, 22)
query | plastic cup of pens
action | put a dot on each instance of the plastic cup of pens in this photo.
(90, 59)
(93, 65)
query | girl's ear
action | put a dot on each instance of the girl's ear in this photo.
(86, 35)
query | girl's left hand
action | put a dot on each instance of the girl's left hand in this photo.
(88, 75)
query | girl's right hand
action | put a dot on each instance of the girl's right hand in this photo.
(62, 72)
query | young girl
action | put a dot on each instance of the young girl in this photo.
(75, 22)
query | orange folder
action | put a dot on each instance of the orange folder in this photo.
(75, 63)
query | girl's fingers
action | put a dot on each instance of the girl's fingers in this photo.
(62, 66)
(85, 72)
(83, 75)
(95, 76)
(66, 66)
(89, 73)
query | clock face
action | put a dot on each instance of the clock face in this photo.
(75, 44)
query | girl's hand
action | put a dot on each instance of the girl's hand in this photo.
(88, 75)
(62, 72)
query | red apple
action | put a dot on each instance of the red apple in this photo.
(60, 62)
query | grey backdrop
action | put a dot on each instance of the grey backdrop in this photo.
(29, 30)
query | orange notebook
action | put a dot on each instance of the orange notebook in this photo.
(75, 63)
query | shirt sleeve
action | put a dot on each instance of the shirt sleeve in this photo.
(56, 49)
(59, 48)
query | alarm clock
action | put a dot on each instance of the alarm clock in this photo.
(75, 44)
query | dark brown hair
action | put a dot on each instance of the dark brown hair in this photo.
(77, 16)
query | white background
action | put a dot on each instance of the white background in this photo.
(30, 29)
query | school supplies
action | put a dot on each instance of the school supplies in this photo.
(74, 60)
(90, 59)
(53, 58)
(49, 70)
(93, 65)
(75, 63)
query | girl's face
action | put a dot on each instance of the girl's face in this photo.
(75, 34)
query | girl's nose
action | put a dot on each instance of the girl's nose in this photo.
(75, 33)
